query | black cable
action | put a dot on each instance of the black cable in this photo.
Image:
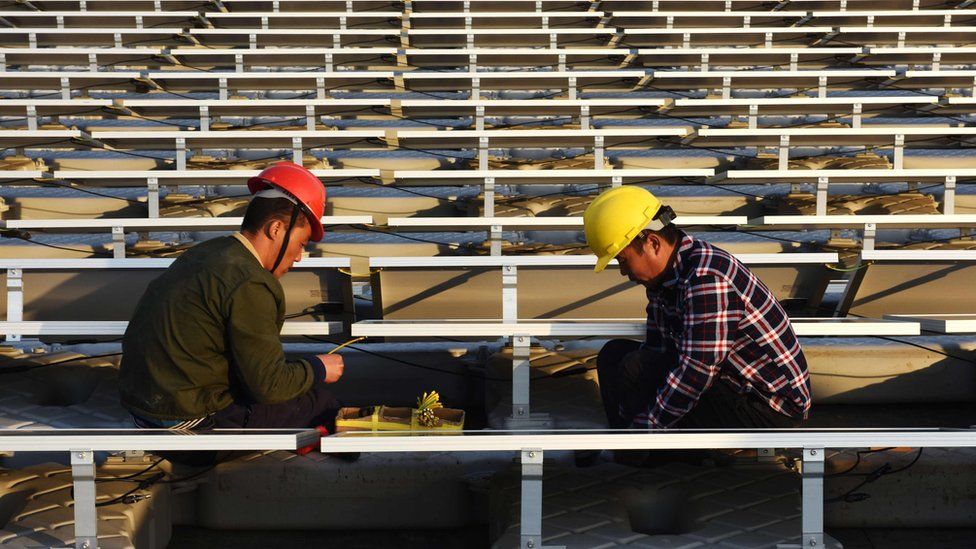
(130, 476)
(129, 497)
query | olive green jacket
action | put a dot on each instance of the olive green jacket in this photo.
(206, 333)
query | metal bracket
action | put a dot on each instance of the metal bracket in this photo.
(585, 117)
(93, 62)
(489, 193)
(15, 300)
(949, 197)
(571, 88)
(822, 184)
(204, 118)
(319, 87)
(899, 160)
(784, 153)
(222, 91)
(598, 152)
(238, 62)
(856, 119)
(521, 367)
(870, 234)
(152, 196)
(310, 117)
(766, 454)
(32, 117)
(118, 242)
(180, 153)
(86, 516)
(296, 150)
(530, 534)
(479, 118)
(509, 293)
(616, 181)
(822, 87)
(753, 116)
(66, 88)
(813, 498)
(495, 240)
(726, 87)
(483, 153)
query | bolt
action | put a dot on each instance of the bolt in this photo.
(85, 544)
(813, 453)
(813, 543)
(531, 455)
(81, 455)
(530, 544)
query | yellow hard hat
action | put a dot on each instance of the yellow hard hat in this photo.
(615, 218)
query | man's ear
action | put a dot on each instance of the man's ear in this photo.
(272, 228)
(652, 244)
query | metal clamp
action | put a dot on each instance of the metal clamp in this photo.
(86, 517)
(813, 498)
(15, 300)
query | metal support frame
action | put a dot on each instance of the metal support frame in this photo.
(66, 88)
(784, 153)
(822, 87)
(813, 498)
(296, 150)
(180, 153)
(495, 240)
(15, 300)
(521, 368)
(572, 88)
(32, 117)
(152, 196)
(822, 184)
(949, 197)
(483, 153)
(899, 159)
(509, 293)
(239, 62)
(530, 519)
(118, 242)
(86, 516)
(479, 118)
(870, 234)
(703, 63)
(585, 117)
(475, 88)
(616, 181)
(489, 197)
(856, 119)
(726, 87)
(204, 118)
(598, 152)
(753, 116)
(222, 88)
(320, 87)
(93, 62)
(310, 117)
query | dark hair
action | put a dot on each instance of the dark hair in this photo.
(670, 233)
(262, 211)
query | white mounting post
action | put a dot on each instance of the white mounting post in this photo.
(509, 294)
(813, 498)
(152, 196)
(296, 150)
(857, 111)
(483, 153)
(181, 153)
(238, 62)
(753, 116)
(86, 515)
(571, 88)
(66, 88)
(320, 87)
(118, 242)
(616, 181)
(598, 152)
(530, 523)
(204, 118)
(521, 368)
(870, 234)
(585, 117)
(822, 87)
(15, 299)
(726, 87)
(222, 91)
(489, 193)
(949, 197)
(899, 160)
(784, 152)
(31, 117)
(93, 62)
(310, 117)
(822, 184)
(479, 118)
(495, 240)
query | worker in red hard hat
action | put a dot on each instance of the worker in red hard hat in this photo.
(203, 350)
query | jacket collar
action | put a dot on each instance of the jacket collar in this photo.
(673, 273)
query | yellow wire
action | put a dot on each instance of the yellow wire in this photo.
(350, 342)
(852, 269)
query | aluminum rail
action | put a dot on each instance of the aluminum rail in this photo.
(118, 327)
(82, 444)
(531, 447)
(786, 258)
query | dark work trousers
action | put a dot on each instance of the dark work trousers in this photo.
(315, 407)
(631, 376)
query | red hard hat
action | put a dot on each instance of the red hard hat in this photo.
(300, 184)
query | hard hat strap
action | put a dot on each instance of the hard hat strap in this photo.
(284, 244)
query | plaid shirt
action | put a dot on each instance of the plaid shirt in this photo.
(724, 324)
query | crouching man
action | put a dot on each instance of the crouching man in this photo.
(203, 350)
(719, 352)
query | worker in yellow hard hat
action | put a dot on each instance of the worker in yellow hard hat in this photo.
(719, 351)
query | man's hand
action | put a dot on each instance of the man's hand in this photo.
(334, 367)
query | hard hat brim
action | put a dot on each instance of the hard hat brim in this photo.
(601, 263)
